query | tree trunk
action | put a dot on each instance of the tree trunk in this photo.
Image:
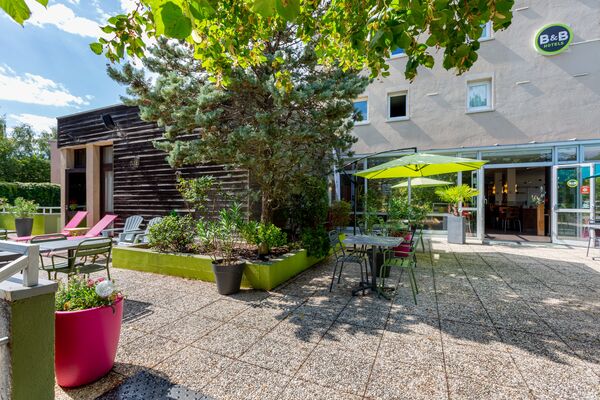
(266, 214)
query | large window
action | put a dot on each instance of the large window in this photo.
(517, 156)
(565, 154)
(397, 106)
(479, 95)
(361, 111)
(591, 153)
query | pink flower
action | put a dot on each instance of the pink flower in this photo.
(98, 280)
(90, 283)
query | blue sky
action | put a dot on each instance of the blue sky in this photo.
(46, 67)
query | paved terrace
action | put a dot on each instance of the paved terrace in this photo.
(493, 322)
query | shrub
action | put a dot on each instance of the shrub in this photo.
(82, 294)
(220, 237)
(454, 195)
(46, 194)
(316, 242)
(308, 206)
(173, 234)
(340, 213)
(23, 208)
(265, 236)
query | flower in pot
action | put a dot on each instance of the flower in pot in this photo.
(220, 239)
(263, 236)
(87, 329)
(454, 196)
(23, 211)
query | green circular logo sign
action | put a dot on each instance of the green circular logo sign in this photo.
(572, 183)
(553, 39)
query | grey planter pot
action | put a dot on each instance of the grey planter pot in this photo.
(23, 226)
(456, 229)
(228, 278)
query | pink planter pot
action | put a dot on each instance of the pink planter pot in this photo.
(86, 343)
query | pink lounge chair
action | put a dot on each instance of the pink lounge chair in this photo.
(73, 223)
(97, 229)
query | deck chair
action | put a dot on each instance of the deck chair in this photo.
(132, 224)
(97, 229)
(92, 255)
(141, 236)
(47, 238)
(73, 223)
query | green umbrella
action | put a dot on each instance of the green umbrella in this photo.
(420, 164)
(422, 182)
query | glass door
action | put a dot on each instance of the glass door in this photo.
(573, 194)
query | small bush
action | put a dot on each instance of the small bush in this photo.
(316, 242)
(340, 213)
(46, 194)
(265, 236)
(23, 208)
(173, 234)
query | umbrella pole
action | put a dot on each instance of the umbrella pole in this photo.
(409, 190)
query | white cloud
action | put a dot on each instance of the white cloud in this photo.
(39, 123)
(128, 5)
(35, 89)
(74, 2)
(63, 18)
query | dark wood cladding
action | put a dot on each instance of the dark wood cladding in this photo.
(144, 183)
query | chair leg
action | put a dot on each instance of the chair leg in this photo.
(340, 273)
(422, 243)
(333, 277)
(413, 284)
(108, 272)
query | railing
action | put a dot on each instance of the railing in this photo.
(41, 210)
(27, 262)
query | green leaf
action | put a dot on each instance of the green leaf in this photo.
(266, 8)
(16, 9)
(176, 24)
(201, 9)
(43, 2)
(288, 9)
(96, 48)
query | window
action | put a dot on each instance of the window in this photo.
(487, 31)
(397, 106)
(591, 153)
(567, 154)
(398, 52)
(517, 156)
(361, 111)
(479, 96)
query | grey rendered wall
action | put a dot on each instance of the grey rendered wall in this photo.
(555, 105)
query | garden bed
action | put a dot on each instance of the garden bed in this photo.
(264, 275)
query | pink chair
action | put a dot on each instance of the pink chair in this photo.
(97, 229)
(73, 223)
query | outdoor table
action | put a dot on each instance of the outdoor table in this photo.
(77, 231)
(62, 245)
(375, 242)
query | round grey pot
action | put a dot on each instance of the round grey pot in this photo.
(228, 277)
(24, 226)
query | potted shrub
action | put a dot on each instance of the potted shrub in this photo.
(219, 239)
(264, 236)
(454, 196)
(87, 329)
(23, 211)
(538, 200)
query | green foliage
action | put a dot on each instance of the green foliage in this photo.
(265, 236)
(456, 194)
(82, 294)
(316, 242)
(24, 155)
(173, 234)
(221, 236)
(306, 206)
(18, 9)
(348, 33)
(46, 194)
(340, 213)
(400, 210)
(279, 136)
(22, 208)
(195, 192)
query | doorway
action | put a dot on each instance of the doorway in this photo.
(517, 204)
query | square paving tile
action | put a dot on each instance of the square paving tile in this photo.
(229, 340)
(189, 329)
(302, 328)
(223, 309)
(353, 338)
(302, 390)
(471, 335)
(283, 355)
(144, 352)
(461, 388)
(153, 318)
(417, 350)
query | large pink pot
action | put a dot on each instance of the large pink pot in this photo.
(86, 343)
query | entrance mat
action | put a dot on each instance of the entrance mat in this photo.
(147, 386)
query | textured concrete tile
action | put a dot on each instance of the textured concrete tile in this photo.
(548, 347)
(576, 330)
(471, 335)
(414, 324)
(336, 369)
(524, 322)
(146, 351)
(467, 313)
(284, 355)
(249, 296)
(464, 388)
(371, 317)
(189, 302)
(353, 338)
(259, 317)
(426, 309)
(482, 365)
(223, 309)
(229, 340)
(420, 351)
(282, 304)
(302, 328)
(401, 381)
(189, 329)
(245, 381)
(301, 390)
(90, 391)
(193, 367)
(153, 319)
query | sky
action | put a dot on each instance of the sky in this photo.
(47, 68)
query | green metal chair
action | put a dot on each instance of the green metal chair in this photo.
(91, 255)
(47, 238)
(3, 234)
(403, 257)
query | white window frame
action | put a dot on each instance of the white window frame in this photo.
(393, 56)
(366, 120)
(490, 28)
(490, 106)
(389, 118)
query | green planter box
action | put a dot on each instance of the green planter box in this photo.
(257, 275)
(42, 223)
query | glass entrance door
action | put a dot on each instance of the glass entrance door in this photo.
(573, 194)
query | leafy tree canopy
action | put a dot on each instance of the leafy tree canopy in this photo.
(352, 34)
(18, 9)
(279, 136)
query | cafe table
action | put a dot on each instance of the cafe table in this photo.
(376, 243)
(67, 245)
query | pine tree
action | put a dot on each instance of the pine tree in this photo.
(280, 135)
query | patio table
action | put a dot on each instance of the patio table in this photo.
(62, 245)
(376, 242)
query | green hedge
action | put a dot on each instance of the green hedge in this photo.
(45, 194)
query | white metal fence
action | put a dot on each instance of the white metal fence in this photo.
(41, 210)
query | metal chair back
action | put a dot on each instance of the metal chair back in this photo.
(133, 223)
(94, 248)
